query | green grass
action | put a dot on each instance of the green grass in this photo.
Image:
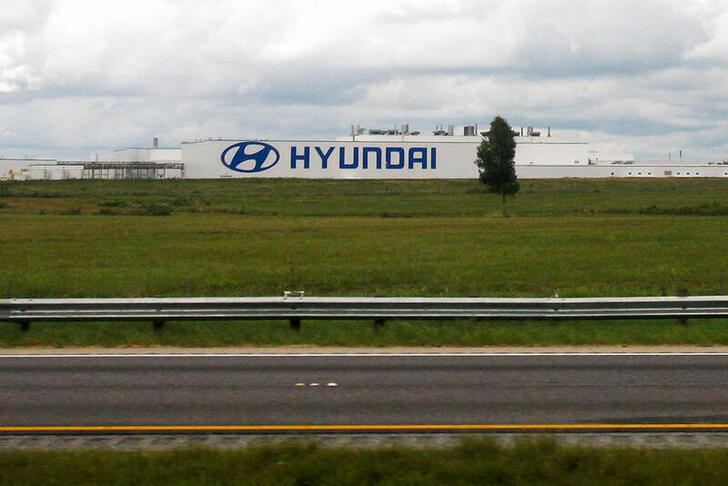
(473, 462)
(218, 255)
(363, 333)
(570, 238)
(378, 198)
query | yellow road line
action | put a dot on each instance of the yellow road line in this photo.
(350, 428)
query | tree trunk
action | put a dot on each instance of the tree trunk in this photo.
(505, 215)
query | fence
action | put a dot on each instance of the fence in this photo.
(379, 309)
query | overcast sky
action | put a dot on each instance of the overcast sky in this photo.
(76, 76)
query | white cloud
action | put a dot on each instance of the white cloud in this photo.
(14, 75)
(25, 15)
(716, 46)
(80, 74)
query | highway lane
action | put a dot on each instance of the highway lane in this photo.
(363, 390)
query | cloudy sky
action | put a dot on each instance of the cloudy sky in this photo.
(77, 76)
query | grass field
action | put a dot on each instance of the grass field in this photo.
(223, 254)
(376, 198)
(390, 238)
(473, 462)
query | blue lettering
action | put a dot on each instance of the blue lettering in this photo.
(365, 156)
(342, 159)
(325, 156)
(388, 155)
(417, 156)
(393, 157)
(305, 158)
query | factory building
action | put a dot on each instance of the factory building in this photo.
(397, 153)
(131, 163)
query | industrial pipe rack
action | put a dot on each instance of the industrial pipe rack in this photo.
(379, 309)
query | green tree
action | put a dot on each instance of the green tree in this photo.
(495, 160)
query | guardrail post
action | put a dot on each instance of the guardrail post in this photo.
(24, 326)
(378, 323)
(295, 324)
(682, 293)
(158, 325)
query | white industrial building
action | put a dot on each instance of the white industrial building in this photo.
(155, 153)
(35, 169)
(401, 154)
(396, 153)
(132, 163)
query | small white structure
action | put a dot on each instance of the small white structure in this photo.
(37, 169)
(149, 154)
(147, 163)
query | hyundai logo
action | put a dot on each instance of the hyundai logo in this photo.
(250, 157)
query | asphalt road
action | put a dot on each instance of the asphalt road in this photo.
(363, 390)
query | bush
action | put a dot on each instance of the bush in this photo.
(71, 211)
(180, 201)
(156, 209)
(708, 209)
(113, 204)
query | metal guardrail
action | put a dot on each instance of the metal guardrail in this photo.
(294, 309)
